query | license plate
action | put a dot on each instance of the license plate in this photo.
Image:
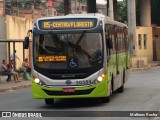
(68, 90)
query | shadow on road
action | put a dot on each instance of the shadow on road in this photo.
(74, 103)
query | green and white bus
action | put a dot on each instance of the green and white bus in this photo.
(79, 56)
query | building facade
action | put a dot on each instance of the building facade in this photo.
(147, 38)
(41, 8)
(78, 7)
(102, 9)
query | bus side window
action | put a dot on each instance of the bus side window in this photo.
(113, 43)
(108, 50)
(126, 40)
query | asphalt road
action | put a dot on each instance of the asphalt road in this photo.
(142, 93)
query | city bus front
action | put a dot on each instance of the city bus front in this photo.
(68, 59)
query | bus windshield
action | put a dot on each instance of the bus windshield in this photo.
(68, 51)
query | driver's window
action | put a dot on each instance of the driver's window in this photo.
(48, 42)
(41, 44)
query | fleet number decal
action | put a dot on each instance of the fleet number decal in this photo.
(85, 82)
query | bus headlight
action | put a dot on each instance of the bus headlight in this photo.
(100, 78)
(36, 80)
(39, 82)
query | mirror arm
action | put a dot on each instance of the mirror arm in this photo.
(28, 33)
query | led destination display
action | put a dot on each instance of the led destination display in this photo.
(61, 24)
(42, 59)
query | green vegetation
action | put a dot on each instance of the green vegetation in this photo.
(155, 11)
(122, 11)
(60, 8)
(81, 1)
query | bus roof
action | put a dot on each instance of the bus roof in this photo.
(106, 19)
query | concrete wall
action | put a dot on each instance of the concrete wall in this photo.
(139, 62)
(3, 50)
(16, 28)
(145, 55)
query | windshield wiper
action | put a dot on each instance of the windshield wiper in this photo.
(55, 39)
(79, 40)
(76, 46)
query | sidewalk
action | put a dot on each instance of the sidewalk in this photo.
(6, 86)
(152, 65)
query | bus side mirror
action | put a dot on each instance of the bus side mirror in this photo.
(109, 43)
(26, 42)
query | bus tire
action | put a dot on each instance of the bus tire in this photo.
(121, 89)
(49, 101)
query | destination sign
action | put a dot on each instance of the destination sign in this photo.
(62, 24)
(52, 59)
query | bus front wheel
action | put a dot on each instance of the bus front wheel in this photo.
(121, 89)
(49, 101)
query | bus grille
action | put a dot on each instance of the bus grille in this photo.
(77, 92)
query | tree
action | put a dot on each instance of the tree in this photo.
(60, 8)
(122, 11)
(81, 1)
(155, 11)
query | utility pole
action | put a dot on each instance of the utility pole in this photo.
(79, 11)
(33, 13)
(132, 25)
(107, 14)
(76, 6)
(145, 7)
(40, 12)
(67, 7)
(110, 9)
(4, 8)
(17, 2)
(91, 6)
(115, 9)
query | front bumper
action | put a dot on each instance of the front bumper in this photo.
(97, 90)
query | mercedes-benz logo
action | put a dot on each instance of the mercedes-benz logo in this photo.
(68, 82)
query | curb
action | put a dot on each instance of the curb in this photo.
(145, 68)
(27, 85)
(15, 87)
